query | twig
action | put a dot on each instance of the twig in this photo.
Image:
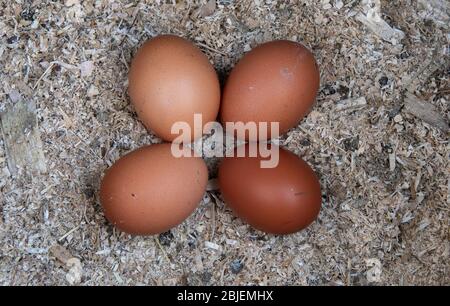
(43, 74)
(162, 250)
(136, 14)
(213, 219)
(211, 49)
(68, 233)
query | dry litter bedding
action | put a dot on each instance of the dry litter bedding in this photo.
(377, 137)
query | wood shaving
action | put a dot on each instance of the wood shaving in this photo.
(23, 146)
(426, 112)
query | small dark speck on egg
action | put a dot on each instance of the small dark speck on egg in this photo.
(300, 193)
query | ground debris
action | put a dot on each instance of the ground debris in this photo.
(71, 2)
(351, 104)
(22, 138)
(73, 264)
(425, 111)
(208, 8)
(212, 245)
(236, 266)
(86, 68)
(357, 131)
(372, 19)
(60, 253)
(374, 271)
(437, 10)
(75, 272)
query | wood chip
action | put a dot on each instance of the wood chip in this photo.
(437, 10)
(71, 2)
(373, 274)
(380, 27)
(430, 65)
(351, 103)
(75, 272)
(92, 91)
(22, 138)
(86, 68)
(60, 253)
(212, 245)
(392, 161)
(426, 112)
(14, 96)
(231, 242)
(208, 9)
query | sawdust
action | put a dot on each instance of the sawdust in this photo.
(384, 172)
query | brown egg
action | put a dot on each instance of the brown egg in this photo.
(170, 79)
(279, 200)
(275, 82)
(148, 191)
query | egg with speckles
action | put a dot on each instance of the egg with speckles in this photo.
(149, 191)
(275, 82)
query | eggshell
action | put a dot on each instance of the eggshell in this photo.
(279, 200)
(275, 82)
(170, 79)
(149, 191)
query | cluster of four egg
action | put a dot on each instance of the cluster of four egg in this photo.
(149, 190)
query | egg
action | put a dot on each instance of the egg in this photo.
(275, 82)
(279, 200)
(149, 191)
(169, 81)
